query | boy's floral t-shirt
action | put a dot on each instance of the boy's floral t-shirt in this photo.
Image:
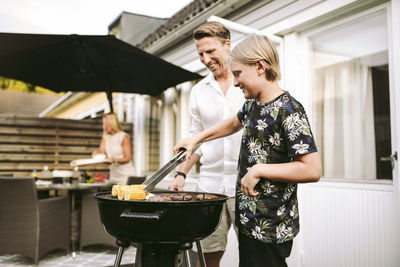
(274, 132)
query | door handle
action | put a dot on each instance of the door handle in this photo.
(387, 158)
(391, 158)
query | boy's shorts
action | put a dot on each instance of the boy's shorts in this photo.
(257, 254)
(217, 240)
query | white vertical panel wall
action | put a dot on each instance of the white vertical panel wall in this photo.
(347, 226)
(341, 225)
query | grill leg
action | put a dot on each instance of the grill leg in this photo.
(187, 258)
(184, 248)
(117, 262)
(121, 246)
(201, 255)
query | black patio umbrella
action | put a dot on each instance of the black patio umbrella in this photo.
(86, 63)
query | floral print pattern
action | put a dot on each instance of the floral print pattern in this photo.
(274, 132)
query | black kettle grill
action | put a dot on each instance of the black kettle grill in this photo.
(162, 229)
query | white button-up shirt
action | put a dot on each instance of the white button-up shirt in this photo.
(219, 158)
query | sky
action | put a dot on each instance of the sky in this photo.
(90, 17)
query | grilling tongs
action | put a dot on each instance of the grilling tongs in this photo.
(166, 169)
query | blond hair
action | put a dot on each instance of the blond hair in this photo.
(255, 48)
(112, 119)
(212, 29)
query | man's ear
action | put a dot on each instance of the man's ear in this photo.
(260, 67)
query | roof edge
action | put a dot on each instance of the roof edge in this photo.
(181, 25)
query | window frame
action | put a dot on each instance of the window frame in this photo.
(302, 39)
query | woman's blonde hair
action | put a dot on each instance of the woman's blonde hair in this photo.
(112, 119)
(255, 48)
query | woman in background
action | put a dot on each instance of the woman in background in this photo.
(116, 144)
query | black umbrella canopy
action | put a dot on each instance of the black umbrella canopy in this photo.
(86, 63)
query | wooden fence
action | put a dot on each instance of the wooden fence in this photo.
(28, 144)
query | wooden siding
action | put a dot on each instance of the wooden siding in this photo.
(30, 143)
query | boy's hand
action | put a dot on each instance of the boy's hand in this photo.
(189, 144)
(249, 181)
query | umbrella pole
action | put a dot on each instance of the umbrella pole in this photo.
(110, 100)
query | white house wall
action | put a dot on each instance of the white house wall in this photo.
(342, 224)
(347, 225)
(394, 80)
(185, 54)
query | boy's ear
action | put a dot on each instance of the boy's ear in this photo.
(260, 67)
(228, 43)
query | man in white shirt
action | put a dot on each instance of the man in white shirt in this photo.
(211, 100)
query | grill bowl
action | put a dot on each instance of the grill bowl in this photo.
(172, 222)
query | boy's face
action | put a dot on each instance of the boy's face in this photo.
(214, 54)
(246, 78)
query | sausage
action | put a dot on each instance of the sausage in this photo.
(204, 196)
(181, 197)
(159, 198)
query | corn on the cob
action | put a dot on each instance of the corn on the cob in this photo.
(135, 194)
(121, 191)
(139, 186)
(114, 190)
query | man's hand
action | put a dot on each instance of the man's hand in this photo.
(177, 184)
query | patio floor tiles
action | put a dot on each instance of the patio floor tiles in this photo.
(95, 256)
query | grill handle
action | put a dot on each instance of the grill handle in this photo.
(154, 216)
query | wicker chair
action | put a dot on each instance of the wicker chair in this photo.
(30, 226)
(136, 179)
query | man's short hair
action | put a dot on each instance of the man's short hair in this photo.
(212, 29)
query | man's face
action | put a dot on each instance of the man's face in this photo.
(214, 54)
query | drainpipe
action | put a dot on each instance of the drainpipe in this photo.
(120, 107)
(244, 29)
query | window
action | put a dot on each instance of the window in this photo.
(351, 108)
